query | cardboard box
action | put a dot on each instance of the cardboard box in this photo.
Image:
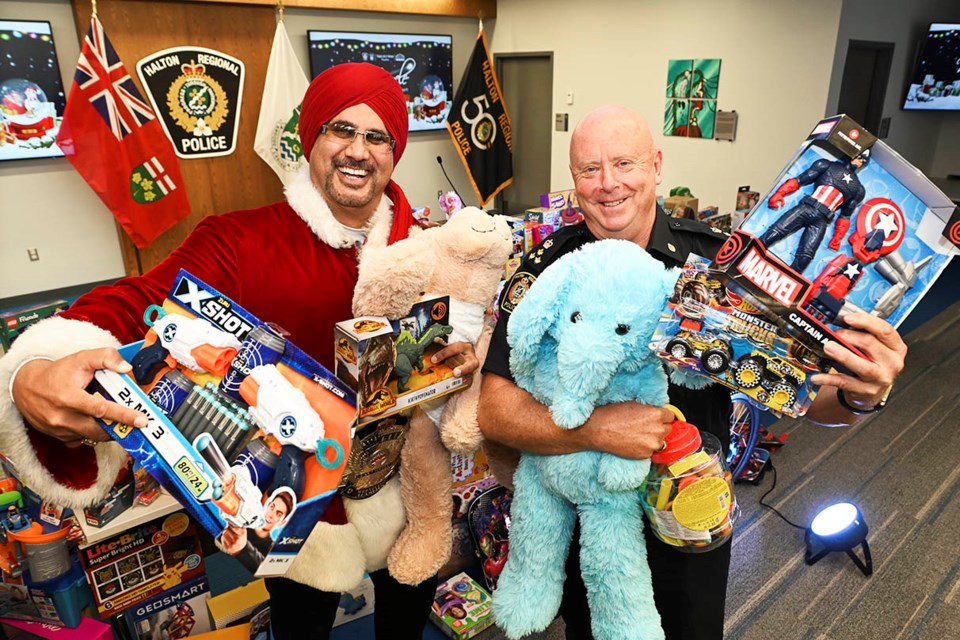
(142, 564)
(175, 613)
(747, 199)
(356, 603)
(462, 607)
(559, 199)
(117, 500)
(237, 605)
(89, 629)
(238, 632)
(677, 206)
(756, 320)
(218, 481)
(15, 321)
(387, 362)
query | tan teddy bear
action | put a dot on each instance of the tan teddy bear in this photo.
(462, 259)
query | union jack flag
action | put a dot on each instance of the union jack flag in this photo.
(109, 134)
(102, 78)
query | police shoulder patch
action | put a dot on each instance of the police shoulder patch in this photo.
(518, 287)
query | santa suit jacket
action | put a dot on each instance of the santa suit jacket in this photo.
(290, 263)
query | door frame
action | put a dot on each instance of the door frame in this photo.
(498, 59)
(885, 59)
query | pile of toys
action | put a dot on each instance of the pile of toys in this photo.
(249, 433)
(756, 318)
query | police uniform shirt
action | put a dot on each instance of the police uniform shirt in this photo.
(671, 240)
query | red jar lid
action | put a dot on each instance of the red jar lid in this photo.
(683, 439)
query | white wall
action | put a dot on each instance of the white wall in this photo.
(928, 139)
(45, 204)
(776, 60)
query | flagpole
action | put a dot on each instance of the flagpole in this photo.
(93, 4)
(280, 9)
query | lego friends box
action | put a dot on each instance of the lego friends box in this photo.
(249, 433)
(848, 226)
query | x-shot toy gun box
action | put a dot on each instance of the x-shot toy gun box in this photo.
(848, 226)
(387, 362)
(247, 431)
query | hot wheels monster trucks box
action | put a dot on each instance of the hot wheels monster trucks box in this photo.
(710, 327)
(249, 433)
(387, 362)
(848, 225)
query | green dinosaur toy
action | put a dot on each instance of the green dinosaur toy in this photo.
(410, 352)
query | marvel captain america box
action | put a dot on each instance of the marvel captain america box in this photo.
(247, 431)
(849, 225)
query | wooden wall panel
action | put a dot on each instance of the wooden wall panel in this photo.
(138, 28)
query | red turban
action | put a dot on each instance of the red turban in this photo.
(349, 84)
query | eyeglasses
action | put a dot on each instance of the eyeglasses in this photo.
(344, 131)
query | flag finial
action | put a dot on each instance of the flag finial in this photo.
(93, 5)
(280, 9)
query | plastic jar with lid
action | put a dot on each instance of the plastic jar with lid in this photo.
(688, 496)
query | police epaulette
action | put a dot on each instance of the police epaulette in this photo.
(684, 224)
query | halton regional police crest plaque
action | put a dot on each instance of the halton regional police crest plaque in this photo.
(196, 92)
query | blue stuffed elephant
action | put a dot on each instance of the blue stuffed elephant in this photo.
(579, 340)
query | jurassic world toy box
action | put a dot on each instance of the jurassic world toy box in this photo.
(849, 225)
(387, 362)
(249, 433)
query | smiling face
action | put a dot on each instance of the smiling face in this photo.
(616, 169)
(351, 174)
(274, 513)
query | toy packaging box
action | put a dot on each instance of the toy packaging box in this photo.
(144, 563)
(387, 362)
(356, 603)
(88, 629)
(237, 605)
(249, 433)
(13, 322)
(461, 608)
(849, 225)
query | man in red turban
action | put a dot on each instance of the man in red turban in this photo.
(293, 263)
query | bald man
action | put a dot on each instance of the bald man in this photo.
(293, 263)
(616, 168)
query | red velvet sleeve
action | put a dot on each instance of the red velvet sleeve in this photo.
(209, 252)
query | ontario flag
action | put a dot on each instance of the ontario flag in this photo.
(115, 142)
(480, 127)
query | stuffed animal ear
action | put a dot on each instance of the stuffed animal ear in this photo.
(392, 278)
(537, 313)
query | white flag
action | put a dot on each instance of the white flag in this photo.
(278, 128)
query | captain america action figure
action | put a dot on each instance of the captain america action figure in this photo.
(837, 189)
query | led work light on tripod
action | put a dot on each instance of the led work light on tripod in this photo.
(839, 527)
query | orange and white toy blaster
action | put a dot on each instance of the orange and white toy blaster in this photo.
(192, 342)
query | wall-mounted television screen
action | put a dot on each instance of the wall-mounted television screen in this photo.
(936, 78)
(31, 92)
(422, 64)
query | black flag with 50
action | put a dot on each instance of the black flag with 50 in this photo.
(480, 127)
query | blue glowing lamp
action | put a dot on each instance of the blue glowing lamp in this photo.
(839, 527)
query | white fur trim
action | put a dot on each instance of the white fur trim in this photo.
(335, 557)
(330, 560)
(53, 338)
(379, 520)
(309, 204)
